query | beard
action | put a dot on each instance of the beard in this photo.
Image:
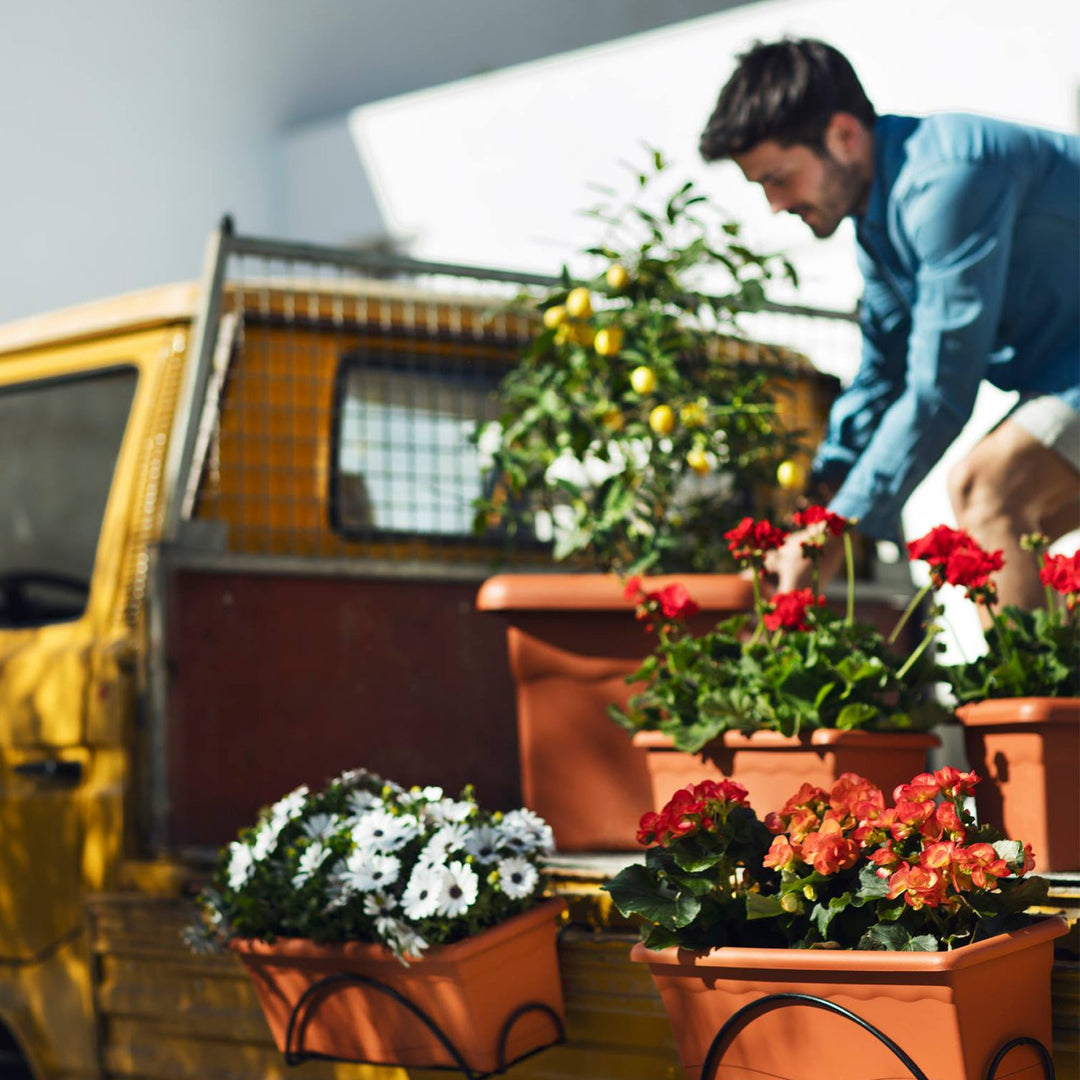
(843, 192)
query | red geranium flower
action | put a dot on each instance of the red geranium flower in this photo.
(1061, 573)
(750, 539)
(675, 602)
(789, 610)
(813, 515)
(938, 544)
(971, 567)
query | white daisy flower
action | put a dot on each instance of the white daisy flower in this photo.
(528, 831)
(310, 861)
(321, 826)
(404, 940)
(459, 888)
(442, 842)
(266, 838)
(421, 897)
(482, 844)
(448, 810)
(241, 865)
(368, 870)
(431, 794)
(377, 904)
(360, 802)
(517, 877)
(290, 807)
(384, 832)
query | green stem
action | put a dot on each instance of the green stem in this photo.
(931, 633)
(916, 600)
(849, 559)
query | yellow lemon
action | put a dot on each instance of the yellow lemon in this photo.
(643, 380)
(662, 419)
(579, 303)
(698, 460)
(554, 316)
(581, 334)
(613, 419)
(692, 414)
(790, 475)
(609, 340)
(617, 277)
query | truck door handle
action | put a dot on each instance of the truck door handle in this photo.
(63, 772)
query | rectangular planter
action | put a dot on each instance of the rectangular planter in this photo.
(1027, 751)
(950, 1012)
(479, 993)
(772, 766)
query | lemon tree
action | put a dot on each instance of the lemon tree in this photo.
(630, 428)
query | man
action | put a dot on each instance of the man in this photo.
(969, 246)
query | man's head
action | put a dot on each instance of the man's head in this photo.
(795, 119)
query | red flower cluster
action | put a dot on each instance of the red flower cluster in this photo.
(814, 515)
(1062, 574)
(672, 601)
(788, 611)
(696, 808)
(750, 539)
(918, 844)
(955, 558)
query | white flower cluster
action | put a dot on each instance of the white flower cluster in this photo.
(408, 868)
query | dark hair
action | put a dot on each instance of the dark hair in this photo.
(787, 91)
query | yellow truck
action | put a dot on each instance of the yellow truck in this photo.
(235, 554)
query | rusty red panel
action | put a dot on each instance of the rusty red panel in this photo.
(277, 681)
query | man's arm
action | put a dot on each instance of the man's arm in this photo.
(959, 222)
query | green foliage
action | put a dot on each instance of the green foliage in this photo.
(835, 674)
(1029, 654)
(574, 442)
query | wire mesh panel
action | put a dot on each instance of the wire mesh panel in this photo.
(342, 399)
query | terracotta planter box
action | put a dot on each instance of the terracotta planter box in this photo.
(572, 640)
(949, 1012)
(772, 767)
(470, 990)
(1027, 751)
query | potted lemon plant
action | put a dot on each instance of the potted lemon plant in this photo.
(393, 926)
(872, 937)
(633, 428)
(1019, 700)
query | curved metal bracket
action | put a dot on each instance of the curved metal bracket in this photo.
(300, 1014)
(736, 1023)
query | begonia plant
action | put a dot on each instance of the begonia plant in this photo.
(1028, 653)
(843, 868)
(791, 666)
(370, 861)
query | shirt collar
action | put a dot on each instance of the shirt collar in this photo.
(890, 135)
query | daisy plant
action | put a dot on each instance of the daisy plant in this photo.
(791, 666)
(368, 860)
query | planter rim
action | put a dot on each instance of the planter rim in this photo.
(306, 949)
(604, 592)
(1020, 710)
(825, 961)
(773, 740)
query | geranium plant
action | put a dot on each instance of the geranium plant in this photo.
(792, 665)
(1029, 653)
(367, 860)
(842, 868)
(636, 423)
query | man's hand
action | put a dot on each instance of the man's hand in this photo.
(794, 570)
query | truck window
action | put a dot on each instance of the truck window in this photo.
(403, 456)
(59, 441)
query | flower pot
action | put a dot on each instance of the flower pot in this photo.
(772, 766)
(572, 640)
(949, 1012)
(1027, 751)
(470, 991)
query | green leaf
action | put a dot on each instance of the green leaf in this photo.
(635, 891)
(856, 715)
(759, 906)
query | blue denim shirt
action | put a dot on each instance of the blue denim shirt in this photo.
(970, 252)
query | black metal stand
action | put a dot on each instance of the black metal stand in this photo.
(295, 1053)
(726, 1035)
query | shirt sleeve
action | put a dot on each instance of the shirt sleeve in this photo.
(958, 219)
(885, 323)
